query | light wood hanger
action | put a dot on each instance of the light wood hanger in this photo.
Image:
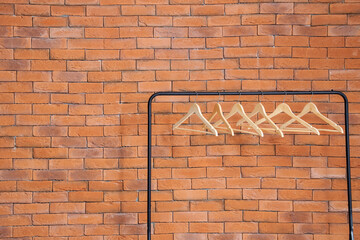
(311, 108)
(259, 108)
(218, 111)
(196, 109)
(284, 108)
(238, 108)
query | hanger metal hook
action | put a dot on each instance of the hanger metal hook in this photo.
(239, 96)
(219, 97)
(312, 94)
(261, 96)
(196, 97)
(284, 97)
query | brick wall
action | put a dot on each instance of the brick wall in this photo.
(75, 77)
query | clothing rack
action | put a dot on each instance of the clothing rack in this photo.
(347, 144)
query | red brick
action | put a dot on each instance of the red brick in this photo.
(68, 10)
(207, 10)
(102, 54)
(15, 43)
(276, 74)
(305, 206)
(328, 19)
(7, 9)
(243, 183)
(261, 236)
(6, 31)
(260, 216)
(8, 186)
(259, 194)
(170, 32)
(31, 208)
(31, 54)
(65, 32)
(310, 31)
(49, 219)
(309, 52)
(30, 164)
(286, 41)
(16, 131)
(240, 52)
(102, 10)
(353, 19)
(256, 63)
(16, 220)
(222, 64)
(15, 152)
(311, 228)
(327, 42)
(67, 207)
(258, 19)
(30, 231)
(66, 230)
(15, 65)
(269, 205)
(85, 21)
(249, 227)
(155, 21)
(185, 1)
(138, 10)
(50, 21)
(49, 175)
(189, 21)
(276, 227)
(280, 183)
(274, 30)
(173, 10)
(6, 20)
(67, 54)
(34, 186)
(300, 217)
(291, 63)
(241, 204)
(50, 197)
(344, 8)
(50, 87)
(127, 32)
(223, 20)
(187, 64)
(66, 164)
(235, 9)
(171, 228)
(206, 227)
(257, 41)
(222, 42)
(8, 75)
(137, 54)
(276, 8)
(190, 216)
(85, 196)
(295, 194)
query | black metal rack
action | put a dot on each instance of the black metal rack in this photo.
(347, 144)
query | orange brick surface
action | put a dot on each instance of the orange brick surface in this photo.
(75, 78)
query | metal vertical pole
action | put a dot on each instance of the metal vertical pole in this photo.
(149, 169)
(348, 167)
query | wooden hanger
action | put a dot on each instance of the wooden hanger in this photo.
(238, 108)
(259, 108)
(196, 109)
(218, 111)
(311, 108)
(284, 108)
